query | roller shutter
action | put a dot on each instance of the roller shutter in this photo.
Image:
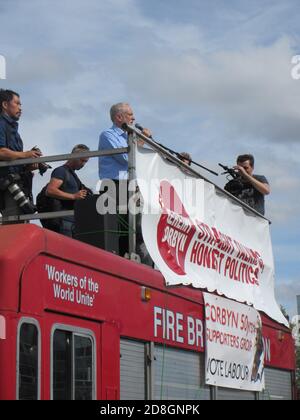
(278, 385)
(234, 394)
(179, 375)
(133, 373)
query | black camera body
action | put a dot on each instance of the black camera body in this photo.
(43, 167)
(237, 184)
(10, 183)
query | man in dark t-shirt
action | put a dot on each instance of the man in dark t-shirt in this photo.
(67, 187)
(253, 187)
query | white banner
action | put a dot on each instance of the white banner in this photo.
(197, 236)
(234, 355)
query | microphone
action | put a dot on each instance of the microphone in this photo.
(139, 127)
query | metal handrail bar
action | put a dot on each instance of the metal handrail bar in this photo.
(37, 216)
(58, 158)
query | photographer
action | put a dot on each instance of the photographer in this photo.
(248, 187)
(66, 187)
(11, 148)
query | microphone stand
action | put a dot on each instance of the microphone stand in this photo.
(190, 160)
(178, 155)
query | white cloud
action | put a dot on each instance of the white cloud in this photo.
(250, 91)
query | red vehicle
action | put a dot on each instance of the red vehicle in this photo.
(77, 322)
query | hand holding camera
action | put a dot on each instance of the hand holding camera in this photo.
(80, 195)
(35, 152)
(236, 182)
(32, 154)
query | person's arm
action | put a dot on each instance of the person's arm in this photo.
(53, 190)
(32, 167)
(7, 154)
(107, 142)
(262, 187)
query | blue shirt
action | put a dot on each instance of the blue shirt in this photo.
(116, 166)
(10, 139)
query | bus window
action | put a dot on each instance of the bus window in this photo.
(28, 362)
(62, 366)
(73, 366)
(83, 355)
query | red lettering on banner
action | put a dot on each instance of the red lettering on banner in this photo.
(210, 248)
(221, 316)
(206, 256)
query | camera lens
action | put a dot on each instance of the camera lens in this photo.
(21, 199)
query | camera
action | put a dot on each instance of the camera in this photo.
(43, 167)
(9, 183)
(236, 185)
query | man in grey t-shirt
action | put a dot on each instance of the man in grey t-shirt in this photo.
(254, 187)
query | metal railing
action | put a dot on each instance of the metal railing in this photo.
(132, 137)
(154, 145)
(47, 159)
(133, 134)
(58, 158)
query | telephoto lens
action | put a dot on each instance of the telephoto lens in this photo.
(26, 206)
(10, 184)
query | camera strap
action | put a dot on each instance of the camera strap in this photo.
(78, 182)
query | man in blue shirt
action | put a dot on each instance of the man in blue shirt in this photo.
(115, 167)
(11, 148)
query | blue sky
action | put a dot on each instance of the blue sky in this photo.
(209, 77)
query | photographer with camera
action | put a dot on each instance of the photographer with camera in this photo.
(246, 186)
(66, 188)
(15, 181)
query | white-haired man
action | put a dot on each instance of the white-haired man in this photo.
(115, 167)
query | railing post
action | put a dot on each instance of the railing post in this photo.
(131, 180)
